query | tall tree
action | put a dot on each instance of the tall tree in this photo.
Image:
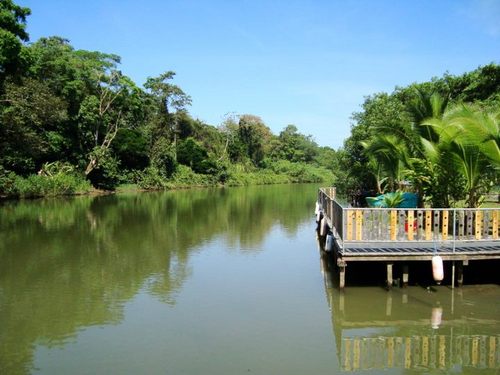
(12, 34)
(168, 101)
(255, 137)
(30, 124)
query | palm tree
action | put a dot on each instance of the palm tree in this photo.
(424, 106)
(466, 141)
(390, 157)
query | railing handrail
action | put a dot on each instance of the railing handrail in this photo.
(446, 225)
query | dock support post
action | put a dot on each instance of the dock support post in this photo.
(405, 275)
(389, 276)
(342, 265)
(460, 274)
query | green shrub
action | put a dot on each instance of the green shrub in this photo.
(152, 179)
(185, 176)
(54, 179)
(7, 182)
(106, 175)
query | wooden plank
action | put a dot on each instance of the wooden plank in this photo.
(494, 221)
(435, 223)
(420, 225)
(468, 226)
(368, 220)
(479, 224)
(410, 220)
(428, 225)
(444, 229)
(359, 224)
(349, 214)
(486, 224)
(393, 225)
(401, 225)
(461, 224)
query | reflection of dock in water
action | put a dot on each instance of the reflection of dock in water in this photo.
(420, 352)
(414, 328)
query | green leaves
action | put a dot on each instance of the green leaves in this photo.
(12, 34)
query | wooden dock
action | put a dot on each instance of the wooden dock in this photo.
(403, 235)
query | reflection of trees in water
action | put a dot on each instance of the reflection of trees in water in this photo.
(73, 263)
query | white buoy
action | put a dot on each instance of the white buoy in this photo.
(436, 317)
(329, 242)
(316, 208)
(323, 227)
(318, 216)
(437, 269)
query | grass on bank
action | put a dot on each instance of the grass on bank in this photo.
(63, 180)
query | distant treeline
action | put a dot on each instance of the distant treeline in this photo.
(70, 121)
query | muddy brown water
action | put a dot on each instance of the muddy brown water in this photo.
(217, 281)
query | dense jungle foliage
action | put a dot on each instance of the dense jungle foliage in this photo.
(440, 139)
(70, 121)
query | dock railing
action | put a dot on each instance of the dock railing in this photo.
(447, 227)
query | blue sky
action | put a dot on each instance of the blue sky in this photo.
(308, 63)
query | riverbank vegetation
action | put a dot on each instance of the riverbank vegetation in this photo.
(71, 121)
(440, 139)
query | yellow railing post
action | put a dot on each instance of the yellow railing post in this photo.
(410, 225)
(349, 215)
(359, 224)
(479, 224)
(428, 225)
(495, 224)
(444, 229)
(394, 222)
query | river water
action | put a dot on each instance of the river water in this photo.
(218, 281)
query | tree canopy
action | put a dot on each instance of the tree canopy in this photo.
(75, 110)
(438, 138)
(73, 114)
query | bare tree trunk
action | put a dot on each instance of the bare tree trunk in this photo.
(106, 143)
(106, 99)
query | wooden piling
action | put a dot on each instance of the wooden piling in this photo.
(405, 275)
(389, 276)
